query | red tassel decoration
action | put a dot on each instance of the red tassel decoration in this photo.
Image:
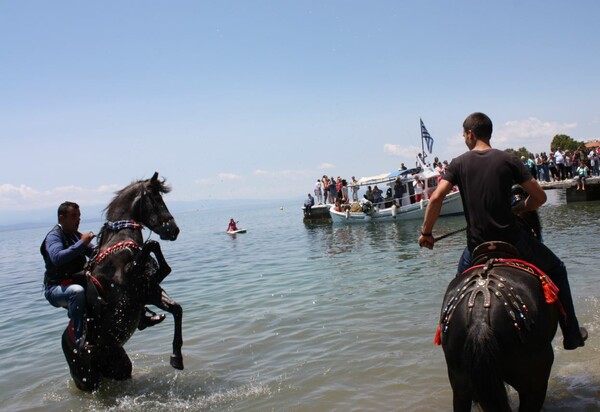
(438, 338)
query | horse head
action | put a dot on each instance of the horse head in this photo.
(152, 211)
(142, 202)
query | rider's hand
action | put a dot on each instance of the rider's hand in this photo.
(426, 241)
(87, 237)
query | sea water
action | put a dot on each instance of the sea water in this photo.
(288, 317)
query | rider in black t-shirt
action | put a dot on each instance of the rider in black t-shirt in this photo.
(485, 177)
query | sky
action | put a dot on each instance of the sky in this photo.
(233, 100)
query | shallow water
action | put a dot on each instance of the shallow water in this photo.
(288, 317)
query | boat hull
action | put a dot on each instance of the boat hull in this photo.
(452, 205)
(318, 214)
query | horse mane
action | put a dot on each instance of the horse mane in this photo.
(124, 197)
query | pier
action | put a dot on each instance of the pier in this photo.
(591, 192)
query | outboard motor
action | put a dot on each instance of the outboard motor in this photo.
(367, 208)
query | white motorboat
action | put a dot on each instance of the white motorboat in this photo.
(411, 205)
(452, 205)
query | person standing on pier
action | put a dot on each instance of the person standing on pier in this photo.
(559, 159)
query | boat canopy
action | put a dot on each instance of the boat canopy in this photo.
(373, 180)
(387, 177)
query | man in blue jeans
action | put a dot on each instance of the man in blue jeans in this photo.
(485, 177)
(65, 251)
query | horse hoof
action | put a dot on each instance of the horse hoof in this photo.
(177, 362)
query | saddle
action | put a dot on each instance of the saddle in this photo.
(493, 250)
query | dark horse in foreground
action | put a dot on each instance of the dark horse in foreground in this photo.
(124, 276)
(497, 324)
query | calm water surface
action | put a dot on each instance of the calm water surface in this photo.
(288, 317)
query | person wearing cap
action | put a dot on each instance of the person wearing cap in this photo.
(485, 177)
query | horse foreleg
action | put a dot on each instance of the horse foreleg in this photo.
(164, 269)
(163, 301)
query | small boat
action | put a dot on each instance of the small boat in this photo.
(410, 206)
(369, 213)
(235, 232)
(318, 214)
(402, 204)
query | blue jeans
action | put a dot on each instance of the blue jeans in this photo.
(71, 297)
(538, 254)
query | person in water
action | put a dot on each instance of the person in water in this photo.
(66, 251)
(485, 177)
(232, 226)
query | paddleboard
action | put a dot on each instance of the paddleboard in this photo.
(234, 232)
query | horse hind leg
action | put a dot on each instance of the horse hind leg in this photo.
(462, 395)
(532, 392)
(115, 364)
(163, 301)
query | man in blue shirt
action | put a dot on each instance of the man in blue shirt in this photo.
(65, 252)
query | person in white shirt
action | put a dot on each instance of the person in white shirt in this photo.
(319, 192)
(559, 159)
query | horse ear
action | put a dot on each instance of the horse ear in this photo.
(154, 177)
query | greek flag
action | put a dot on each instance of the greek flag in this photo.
(425, 136)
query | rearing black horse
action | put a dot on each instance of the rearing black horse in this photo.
(127, 277)
(497, 324)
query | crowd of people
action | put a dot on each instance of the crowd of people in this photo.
(328, 189)
(561, 165)
(553, 167)
(337, 191)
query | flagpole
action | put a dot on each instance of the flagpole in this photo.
(422, 146)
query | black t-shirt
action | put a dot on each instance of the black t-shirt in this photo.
(485, 179)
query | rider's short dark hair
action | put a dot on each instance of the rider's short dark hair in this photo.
(64, 207)
(480, 124)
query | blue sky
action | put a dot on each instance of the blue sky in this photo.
(257, 99)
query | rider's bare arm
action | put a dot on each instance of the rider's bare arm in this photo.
(433, 212)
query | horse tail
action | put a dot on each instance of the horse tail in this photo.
(481, 354)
